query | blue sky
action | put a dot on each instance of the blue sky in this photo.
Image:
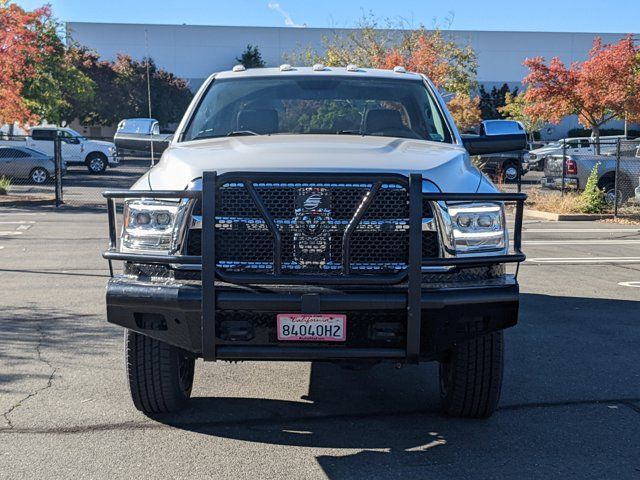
(620, 16)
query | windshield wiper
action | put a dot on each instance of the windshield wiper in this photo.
(351, 132)
(240, 133)
(235, 133)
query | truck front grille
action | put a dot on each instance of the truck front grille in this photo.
(311, 219)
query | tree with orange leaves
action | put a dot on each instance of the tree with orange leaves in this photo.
(603, 87)
(19, 55)
(452, 68)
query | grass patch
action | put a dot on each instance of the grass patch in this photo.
(552, 202)
(5, 183)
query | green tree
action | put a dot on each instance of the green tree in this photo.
(57, 82)
(170, 95)
(492, 101)
(515, 109)
(105, 108)
(251, 57)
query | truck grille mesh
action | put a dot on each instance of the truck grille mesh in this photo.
(311, 220)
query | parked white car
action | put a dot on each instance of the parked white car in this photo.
(76, 150)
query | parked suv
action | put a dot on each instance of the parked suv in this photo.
(96, 155)
(325, 214)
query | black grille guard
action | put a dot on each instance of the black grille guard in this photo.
(211, 181)
(412, 275)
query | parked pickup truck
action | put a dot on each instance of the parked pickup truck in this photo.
(574, 146)
(96, 155)
(578, 168)
(317, 214)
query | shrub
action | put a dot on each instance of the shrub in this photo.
(592, 199)
(4, 185)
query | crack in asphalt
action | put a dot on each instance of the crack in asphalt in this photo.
(157, 423)
(40, 358)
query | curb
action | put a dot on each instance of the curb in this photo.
(26, 202)
(562, 217)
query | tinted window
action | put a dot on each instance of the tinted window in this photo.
(12, 153)
(136, 125)
(43, 134)
(312, 105)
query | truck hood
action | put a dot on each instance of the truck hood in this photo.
(448, 166)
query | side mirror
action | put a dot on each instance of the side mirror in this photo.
(496, 136)
(71, 140)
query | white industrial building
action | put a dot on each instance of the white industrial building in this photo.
(194, 52)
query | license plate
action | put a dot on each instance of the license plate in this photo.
(326, 327)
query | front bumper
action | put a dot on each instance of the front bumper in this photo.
(245, 317)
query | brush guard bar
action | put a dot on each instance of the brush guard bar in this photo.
(411, 277)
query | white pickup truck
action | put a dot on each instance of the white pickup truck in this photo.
(97, 155)
(317, 214)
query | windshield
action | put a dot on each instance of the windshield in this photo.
(329, 105)
(70, 133)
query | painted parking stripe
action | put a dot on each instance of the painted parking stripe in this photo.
(578, 260)
(6, 234)
(630, 284)
(581, 242)
(582, 230)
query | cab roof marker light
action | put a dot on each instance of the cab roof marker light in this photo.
(352, 68)
(318, 67)
(399, 69)
(238, 68)
(285, 67)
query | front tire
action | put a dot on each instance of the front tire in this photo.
(160, 375)
(509, 172)
(471, 377)
(96, 163)
(39, 175)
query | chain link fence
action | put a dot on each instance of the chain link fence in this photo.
(65, 170)
(616, 161)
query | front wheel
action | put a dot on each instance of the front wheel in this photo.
(96, 163)
(160, 375)
(39, 175)
(509, 172)
(471, 377)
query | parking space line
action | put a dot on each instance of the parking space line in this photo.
(6, 234)
(581, 242)
(581, 230)
(578, 260)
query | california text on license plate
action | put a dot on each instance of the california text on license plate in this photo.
(327, 327)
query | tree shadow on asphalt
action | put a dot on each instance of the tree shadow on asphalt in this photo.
(567, 352)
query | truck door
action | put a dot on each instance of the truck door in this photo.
(72, 148)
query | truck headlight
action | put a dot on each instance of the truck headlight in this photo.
(152, 225)
(478, 227)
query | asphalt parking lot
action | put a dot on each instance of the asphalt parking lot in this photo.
(570, 405)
